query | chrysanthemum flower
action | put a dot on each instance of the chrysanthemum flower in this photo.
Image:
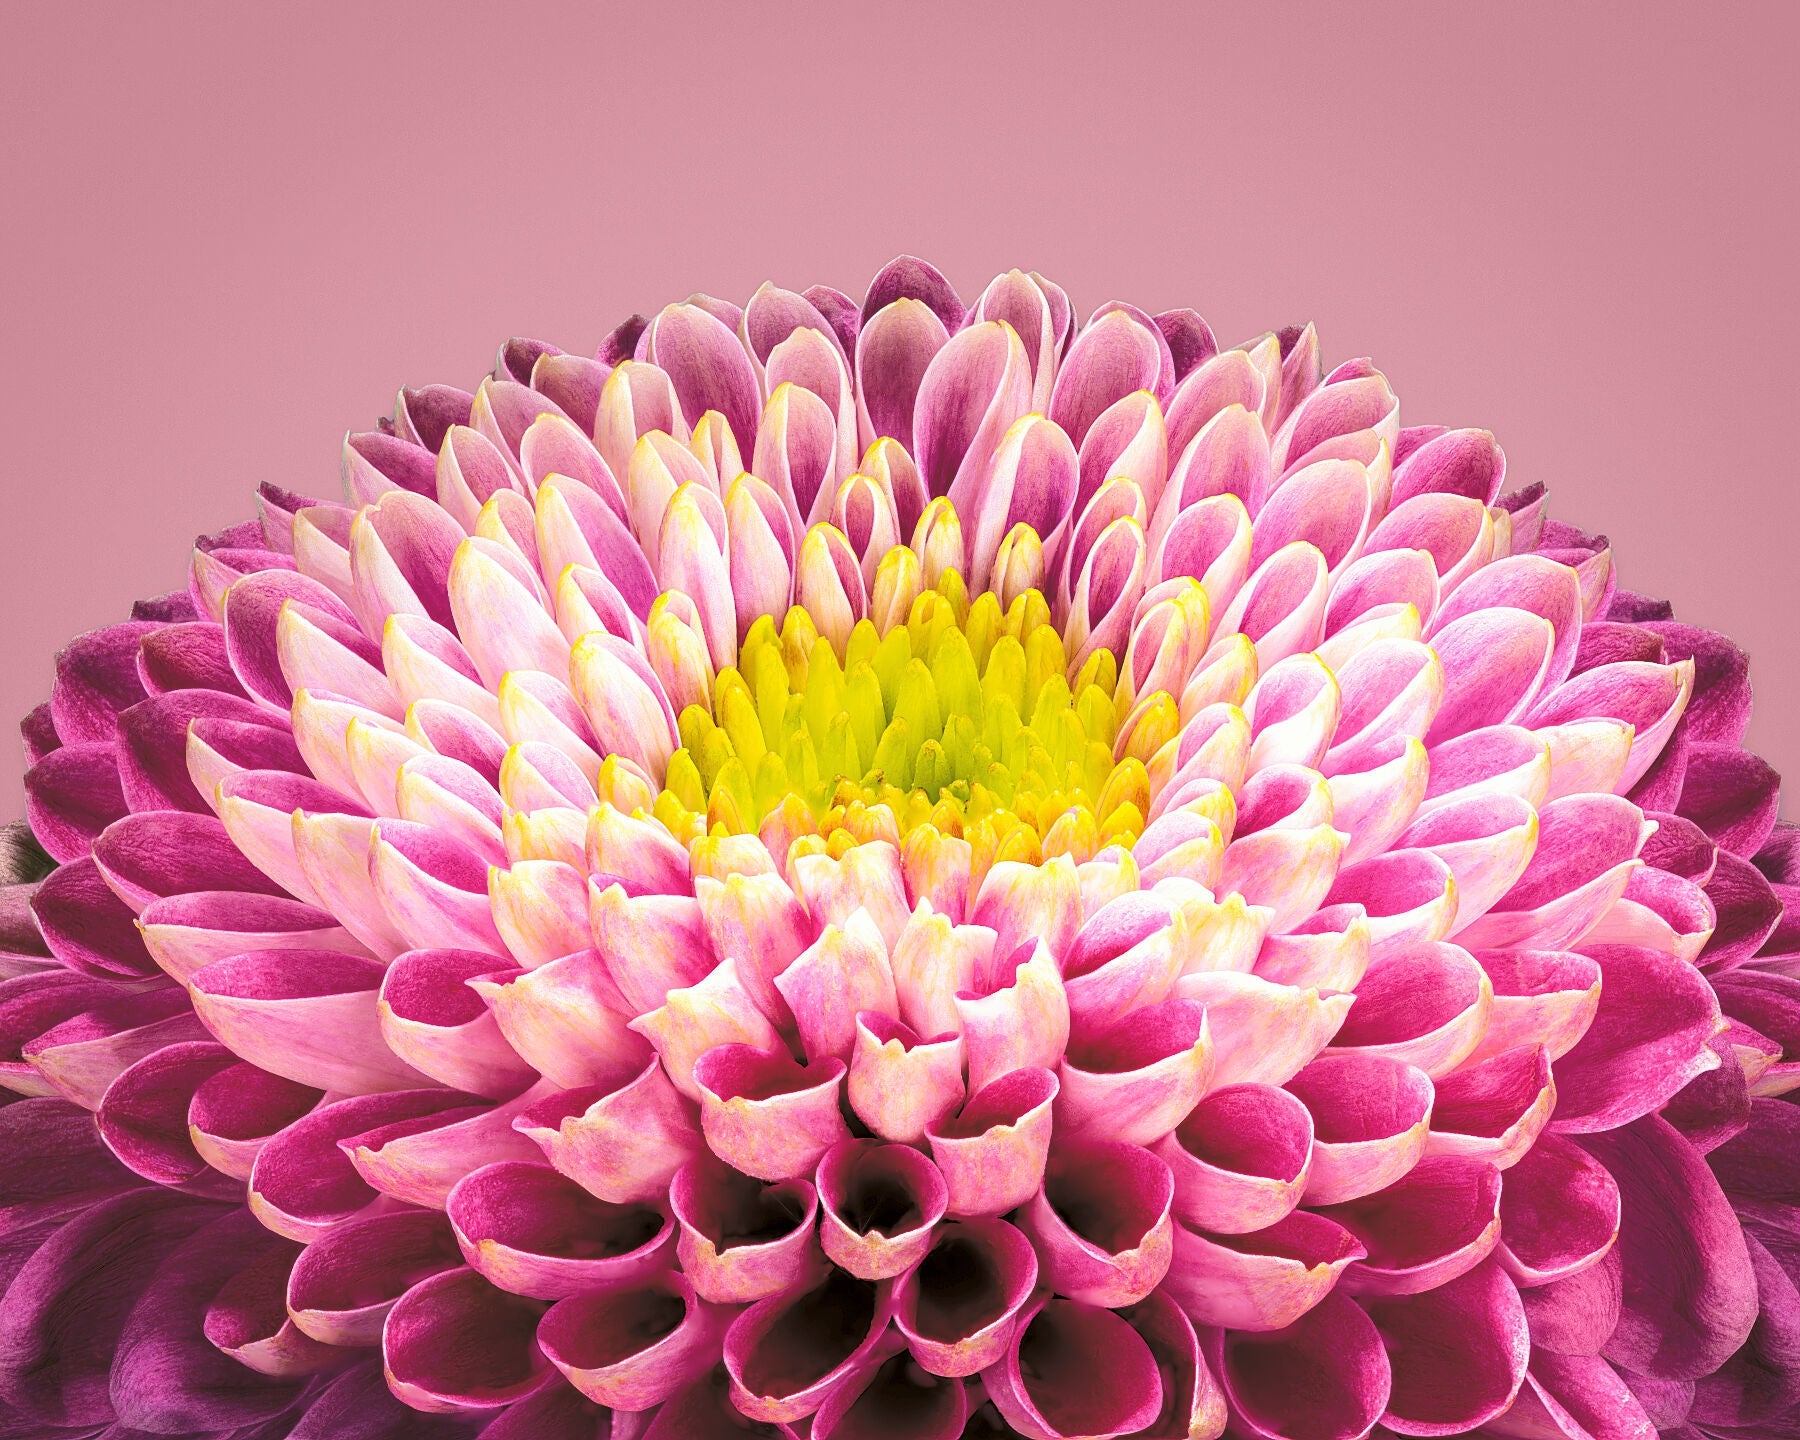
(902, 871)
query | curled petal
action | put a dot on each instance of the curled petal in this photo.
(956, 1307)
(716, 1010)
(563, 1019)
(1261, 1032)
(743, 1241)
(303, 1183)
(1427, 1005)
(1042, 1384)
(1494, 1109)
(765, 1113)
(1102, 1223)
(456, 1343)
(632, 1344)
(308, 1015)
(992, 1152)
(1541, 997)
(785, 1354)
(879, 1206)
(1263, 1280)
(1560, 1213)
(622, 1144)
(1458, 1352)
(1139, 1079)
(1438, 1221)
(345, 1282)
(1371, 1116)
(1240, 1160)
(1325, 1375)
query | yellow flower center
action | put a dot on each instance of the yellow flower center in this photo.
(963, 718)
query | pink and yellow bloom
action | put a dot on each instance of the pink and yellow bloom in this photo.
(902, 870)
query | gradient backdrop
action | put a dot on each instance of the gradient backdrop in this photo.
(230, 232)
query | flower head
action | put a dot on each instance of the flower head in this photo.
(913, 870)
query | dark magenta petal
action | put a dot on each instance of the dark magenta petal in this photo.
(457, 1342)
(1577, 1315)
(1458, 1352)
(909, 278)
(302, 1183)
(1768, 1003)
(87, 927)
(1577, 1395)
(1690, 1293)
(145, 857)
(1438, 1221)
(1762, 1380)
(1647, 1040)
(170, 1375)
(188, 656)
(533, 1231)
(358, 1405)
(1049, 1382)
(1559, 1212)
(96, 678)
(1719, 709)
(143, 1116)
(1763, 1162)
(1747, 911)
(38, 730)
(344, 1283)
(234, 1114)
(63, 1314)
(557, 1412)
(56, 1164)
(71, 795)
(1714, 1106)
(153, 745)
(1679, 846)
(1779, 858)
(1191, 340)
(1607, 642)
(1324, 1377)
(1730, 794)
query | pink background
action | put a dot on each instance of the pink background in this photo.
(231, 233)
